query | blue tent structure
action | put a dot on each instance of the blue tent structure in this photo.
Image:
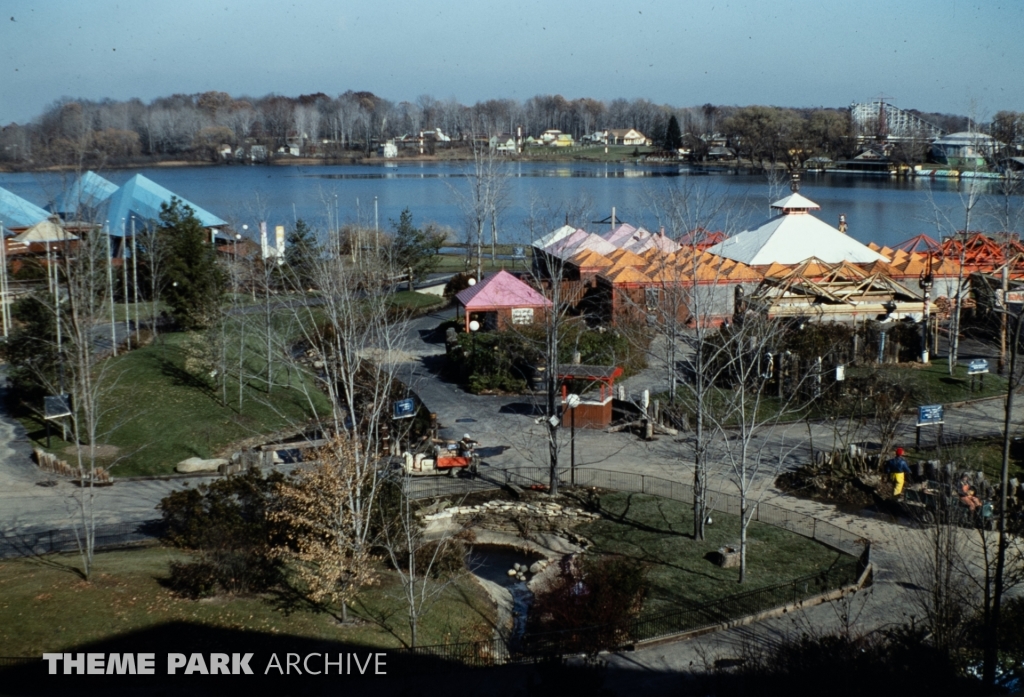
(16, 212)
(84, 197)
(140, 199)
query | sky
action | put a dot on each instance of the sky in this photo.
(933, 55)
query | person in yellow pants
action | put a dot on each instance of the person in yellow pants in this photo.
(897, 469)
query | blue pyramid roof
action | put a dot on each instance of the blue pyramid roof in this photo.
(85, 195)
(140, 199)
(17, 212)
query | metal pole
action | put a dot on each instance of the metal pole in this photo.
(572, 446)
(3, 282)
(135, 286)
(124, 288)
(992, 645)
(110, 289)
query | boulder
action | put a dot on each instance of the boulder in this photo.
(198, 464)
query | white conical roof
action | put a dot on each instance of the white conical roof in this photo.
(796, 202)
(790, 239)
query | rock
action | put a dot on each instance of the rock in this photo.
(516, 566)
(512, 572)
(198, 464)
(535, 568)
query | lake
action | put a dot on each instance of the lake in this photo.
(879, 209)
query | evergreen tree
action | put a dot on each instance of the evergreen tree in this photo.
(415, 248)
(301, 253)
(195, 283)
(673, 134)
(31, 351)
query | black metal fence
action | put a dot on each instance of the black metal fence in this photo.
(525, 477)
(649, 626)
(26, 544)
(654, 625)
(645, 627)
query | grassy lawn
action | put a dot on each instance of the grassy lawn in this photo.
(158, 414)
(983, 454)
(657, 531)
(934, 385)
(931, 384)
(456, 263)
(411, 300)
(596, 153)
(126, 594)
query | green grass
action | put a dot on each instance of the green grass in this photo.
(46, 607)
(157, 414)
(933, 384)
(658, 532)
(982, 454)
(411, 300)
(456, 263)
(595, 153)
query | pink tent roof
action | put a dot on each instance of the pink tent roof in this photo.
(500, 290)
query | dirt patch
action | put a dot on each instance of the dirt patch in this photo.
(103, 452)
(846, 491)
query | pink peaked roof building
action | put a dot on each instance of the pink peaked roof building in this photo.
(504, 295)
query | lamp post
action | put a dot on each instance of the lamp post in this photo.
(474, 327)
(571, 402)
(991, 649)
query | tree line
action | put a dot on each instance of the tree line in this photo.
(196, 126)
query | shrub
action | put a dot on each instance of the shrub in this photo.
(226, 522)
(591, 603)
(195, 580)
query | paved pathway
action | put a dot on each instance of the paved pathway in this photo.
(508, 430)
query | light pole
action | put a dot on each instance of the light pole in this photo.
(474, 327)
(571, 402)
(991, 649)
(926, 286)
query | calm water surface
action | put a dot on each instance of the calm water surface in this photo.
(883, 210)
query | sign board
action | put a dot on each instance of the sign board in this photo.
(978, 366)
(522, 315)
(840, 373)
(519, 252)
(1013, 297)
(405, 408)
(56, 405)
(929, 415)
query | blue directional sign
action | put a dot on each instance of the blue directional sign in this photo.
(978, 366)
(405, 408)
(929, 415)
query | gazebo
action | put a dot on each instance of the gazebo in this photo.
(502, 300)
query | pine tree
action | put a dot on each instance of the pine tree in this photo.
(301, 253)
(195, 283)
(415, 248)
(673, 135)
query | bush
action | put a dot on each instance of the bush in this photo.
(195, 580)
(590, 604)
(226, 522)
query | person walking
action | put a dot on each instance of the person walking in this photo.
(897, 469)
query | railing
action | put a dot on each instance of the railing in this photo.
(525, 477)
(642, 628)
(651, 626)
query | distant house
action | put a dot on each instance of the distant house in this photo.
(504, 143)
(388, 150)
(626, 136)
(720, 152)
(556, 139)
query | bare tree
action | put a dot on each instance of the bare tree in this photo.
(947, 225)
(327, 544)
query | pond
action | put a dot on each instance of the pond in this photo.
(492, 563)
